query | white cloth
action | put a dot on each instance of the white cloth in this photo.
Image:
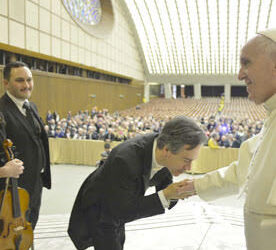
(227, 180)
(258, 174)
(154, 164)
(270, 33)
(261, 191)
(260, 231)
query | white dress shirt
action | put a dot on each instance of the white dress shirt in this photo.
(18, 102)
(154, 165)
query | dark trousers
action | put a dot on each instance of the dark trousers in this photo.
(35, 202)
(109, 237)
(107, 233)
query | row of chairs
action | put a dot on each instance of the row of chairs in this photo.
(239, 108)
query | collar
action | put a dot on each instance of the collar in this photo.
(154, 164)
(18, 102)
(270, 104)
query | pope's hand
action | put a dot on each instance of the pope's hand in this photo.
(179, 190)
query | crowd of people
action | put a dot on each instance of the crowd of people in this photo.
(102, 125)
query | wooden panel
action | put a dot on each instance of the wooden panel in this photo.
(62, 93)
(211, 159)
(81, 152)
(87, 152)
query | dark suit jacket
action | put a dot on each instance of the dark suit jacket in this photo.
(27, 147)
(114, 193)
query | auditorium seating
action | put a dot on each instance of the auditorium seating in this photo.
(238, 108)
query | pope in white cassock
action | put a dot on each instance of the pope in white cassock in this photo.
(254, 174)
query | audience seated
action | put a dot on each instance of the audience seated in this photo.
(239, 120)
(213, 141)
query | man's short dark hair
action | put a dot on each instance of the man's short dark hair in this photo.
(8, 67)
(181, 131)
(107, 146)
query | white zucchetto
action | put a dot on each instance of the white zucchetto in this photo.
(269, 33)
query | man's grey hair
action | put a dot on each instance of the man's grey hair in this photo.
(181, 131)
(266, 45)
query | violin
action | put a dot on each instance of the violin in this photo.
(16, 232)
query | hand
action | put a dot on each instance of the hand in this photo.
(13, 168)
(187, 187)
(179, 190)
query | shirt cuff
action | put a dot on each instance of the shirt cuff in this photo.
(164, 201)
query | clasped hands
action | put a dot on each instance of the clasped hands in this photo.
(180, 190)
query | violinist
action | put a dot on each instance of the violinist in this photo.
(16, 230)
(25, 129)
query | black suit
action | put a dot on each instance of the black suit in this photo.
(114, 194)
(32, 148)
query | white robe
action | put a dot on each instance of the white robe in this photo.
(255, 174)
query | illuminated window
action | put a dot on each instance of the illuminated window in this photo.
(85, 11)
